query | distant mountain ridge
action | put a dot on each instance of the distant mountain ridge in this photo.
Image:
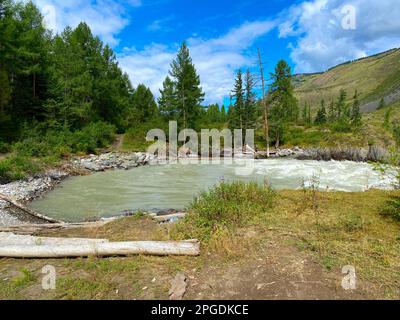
(373, 77)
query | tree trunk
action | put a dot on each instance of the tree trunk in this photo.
(158, 248)
(34, 85)
(264, 102)
(277, 143)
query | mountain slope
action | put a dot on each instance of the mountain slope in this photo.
(374, 77)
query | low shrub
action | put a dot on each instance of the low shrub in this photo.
(17, 167)
(301, 137)
(135, 137)
(353, 223)
(226, 207)
(4, 147)
(41, 146)
(391, 208)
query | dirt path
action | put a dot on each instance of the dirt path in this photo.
(273, 269)
(117, 144)
(119, 140)
(279, 272)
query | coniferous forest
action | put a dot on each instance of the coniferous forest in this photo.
(62, 94)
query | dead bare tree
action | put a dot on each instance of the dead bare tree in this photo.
(264, 103)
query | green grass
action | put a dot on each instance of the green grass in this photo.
(223, 209)
(24, 279)
(391, 208)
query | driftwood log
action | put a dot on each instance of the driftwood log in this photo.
(30, 212)
(34, 247)
(32, 229)
(11, 239)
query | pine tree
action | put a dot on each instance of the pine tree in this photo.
(332, 112)
(355, 111)
(321, 115)
(188, 91)
(144, 105)
(249, 113)
(340, 105)
(238, 114)
(284, 106)
(167, 101)
(223, 113)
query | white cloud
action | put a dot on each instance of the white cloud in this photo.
(106, 18)
(160, 25)
(216, 59)
(322, 42)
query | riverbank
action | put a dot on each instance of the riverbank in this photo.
(284, 251)
(26, 190)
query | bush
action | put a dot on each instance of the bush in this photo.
(96, 135)
(342, 126)
(41, 146)
(353, 223)
(135, 137)
(17, 167)
(4, 147)
(225, 207)
(39, 142)
(392, 208)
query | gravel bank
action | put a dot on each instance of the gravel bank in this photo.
(26, 190)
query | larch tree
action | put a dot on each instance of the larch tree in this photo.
(188, 92)
(167, 101)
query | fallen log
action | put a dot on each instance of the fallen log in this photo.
(158, 248)
(27, 210)
(9, 239)
(31, 229)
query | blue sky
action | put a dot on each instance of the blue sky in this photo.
(223, 35)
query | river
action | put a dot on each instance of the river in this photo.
(168, 186)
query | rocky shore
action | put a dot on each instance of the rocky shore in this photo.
(24, 191)
(113, 160)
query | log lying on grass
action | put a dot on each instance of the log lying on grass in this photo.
(31, 229)
(102, 249)
(27, 210)
(69, 248)
(10, 239)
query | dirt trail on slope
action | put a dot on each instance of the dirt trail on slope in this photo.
(278, 272)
